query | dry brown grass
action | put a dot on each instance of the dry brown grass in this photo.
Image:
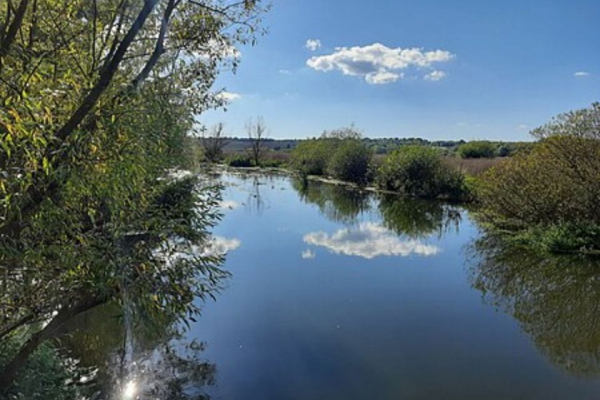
(473, 166)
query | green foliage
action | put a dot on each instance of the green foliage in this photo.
(92, 136)
(584, 123)
(350, 161)
(419, 171)
(340, 153)
(549, 197)
(44, 376)
(240, 161)
(310, 157)
(479, 149)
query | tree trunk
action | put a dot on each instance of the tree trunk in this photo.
(18, 361)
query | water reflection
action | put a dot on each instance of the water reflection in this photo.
(555, 299)
(164, 365)
(219, 245)
(369, 240)
(417, 218)
(337, 203)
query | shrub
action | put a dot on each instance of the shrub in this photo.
(477, 149)
(420, 172)
(350, 162)
(557, 184)
(240, 161)
(310, 157)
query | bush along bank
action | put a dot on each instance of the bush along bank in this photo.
(549, 198)
(414, 170)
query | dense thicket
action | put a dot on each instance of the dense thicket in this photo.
(420, 171)
(551, 197)
(339, 153)
(477, 149)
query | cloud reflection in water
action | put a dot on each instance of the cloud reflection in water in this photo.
(220, 245)
(368, 241)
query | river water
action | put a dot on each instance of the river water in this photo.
(340, 294)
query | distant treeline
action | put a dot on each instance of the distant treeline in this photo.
(466, 149)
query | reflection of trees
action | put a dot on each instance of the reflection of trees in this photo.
(164, 365)
(256, 202)
(155, 264)
(556, 300)
(338, 203)
(405, 216)
(417, 218)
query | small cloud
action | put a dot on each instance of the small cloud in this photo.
(378, 64)
(228, 97)
(285, 71)
(308, 254)
(435, 76)
(523, 127)
(313, 44)
(581, 74)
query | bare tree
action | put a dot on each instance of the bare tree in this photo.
(213, 142)
(346, 132)
(257, 134)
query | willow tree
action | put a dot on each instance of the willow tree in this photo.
(96, 97)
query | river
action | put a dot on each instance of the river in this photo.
(341, 294)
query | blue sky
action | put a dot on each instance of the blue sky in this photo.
(436, 69)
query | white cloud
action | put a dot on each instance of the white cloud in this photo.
(285, 71)
(228, 97)
(313, 44)
(581, 74)
(523, 127)
(368, 241)
(435, 76)
(308, 254)
(379, 64)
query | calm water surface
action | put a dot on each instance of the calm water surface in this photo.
(336, 294)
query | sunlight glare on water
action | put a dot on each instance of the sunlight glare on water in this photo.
(130, 390)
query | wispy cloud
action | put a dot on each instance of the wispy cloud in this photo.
(379, 64)
(308, 254)
(368, 241)
(435, 76)
(581, 74)
(313, 44)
